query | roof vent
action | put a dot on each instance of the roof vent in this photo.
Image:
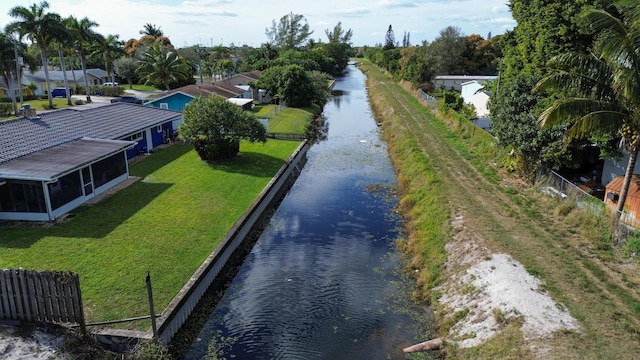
(27, 111)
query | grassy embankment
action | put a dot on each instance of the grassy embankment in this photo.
(287, 119)
(167, 224)
(445, 166)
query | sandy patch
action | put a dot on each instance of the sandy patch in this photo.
(38, 344)
(494, 286)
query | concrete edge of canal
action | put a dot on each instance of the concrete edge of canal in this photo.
(178, 310)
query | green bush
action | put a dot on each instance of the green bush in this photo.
(6, 109)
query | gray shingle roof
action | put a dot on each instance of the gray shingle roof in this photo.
(57, 75)
(22, 136)
(51, 163)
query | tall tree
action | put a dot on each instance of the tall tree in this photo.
(84, 36)
(291, 32)
(479, 56)
(151, 30)
(126, 68)
(36, 24)
(339, 35)
(62, 40)
(415, 66)
(603, 88)
(161, 66)
(389, 39)
(446, 51)
(545, 28)
(110, 48)
(7, 66)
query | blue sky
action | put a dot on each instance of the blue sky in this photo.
(207, 22)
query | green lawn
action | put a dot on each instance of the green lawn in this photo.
(286, 119)
(139, 87)
(167, 224)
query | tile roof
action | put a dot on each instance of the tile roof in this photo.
(56, 75)
(223, 90)
(49, 164)
(24, 136)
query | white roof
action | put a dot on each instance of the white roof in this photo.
(469, 88)
(479, 102)
(240, 101)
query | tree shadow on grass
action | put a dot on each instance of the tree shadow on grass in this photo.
(250, 163)
(95, 221)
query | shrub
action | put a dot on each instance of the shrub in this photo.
(6, 109)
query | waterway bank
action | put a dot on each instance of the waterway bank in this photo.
(504, 247)
(323, 280)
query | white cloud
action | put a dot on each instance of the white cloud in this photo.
(225, 21)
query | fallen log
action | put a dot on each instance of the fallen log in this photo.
(433, 344)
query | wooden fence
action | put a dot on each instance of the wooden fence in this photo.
(41, 296)
(287, 136)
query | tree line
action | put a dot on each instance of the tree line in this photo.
(451, 53)
(45, 40)
(569, 79)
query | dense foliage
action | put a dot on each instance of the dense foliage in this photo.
(545, 28)
(215, 127)
(451, 53)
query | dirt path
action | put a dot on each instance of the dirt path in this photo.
(597, 286)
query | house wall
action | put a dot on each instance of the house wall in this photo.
(175, 102)
(613, 168)
(631, 205)
(80, 193)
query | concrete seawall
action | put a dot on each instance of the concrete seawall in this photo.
(178, 310)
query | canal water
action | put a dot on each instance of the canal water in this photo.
(322, 281)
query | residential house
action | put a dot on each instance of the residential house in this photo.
(454, 82)
(243, 80)
(473, 95)
(56, 79)
(4, 88)
(632, 202)
(177, 99)
(52, 163)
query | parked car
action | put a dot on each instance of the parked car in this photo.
(110, 84)
(127, 99)
(59, 92)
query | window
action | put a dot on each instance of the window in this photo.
(159, 128)
(108, 169)
(136, 136)
(22, 196)
(164, 105)
(65, 190)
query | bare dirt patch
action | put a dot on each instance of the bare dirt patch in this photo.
(494, 288)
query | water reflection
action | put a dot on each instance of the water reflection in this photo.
(321, 282)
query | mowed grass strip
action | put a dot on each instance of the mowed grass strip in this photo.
(286, 119)
(166, 223)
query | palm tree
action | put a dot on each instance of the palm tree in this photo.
(84, 36)
(151, 30)
(7, 65)
(603, 88)
(62, 40)
(160, 65)
(36, 23)
(110, 49)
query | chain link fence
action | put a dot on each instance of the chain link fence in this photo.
(555, 185)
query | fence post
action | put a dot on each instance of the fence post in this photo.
(151, 310)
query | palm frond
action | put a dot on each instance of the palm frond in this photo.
(604, 121)
(577, 74)
(574, 110)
